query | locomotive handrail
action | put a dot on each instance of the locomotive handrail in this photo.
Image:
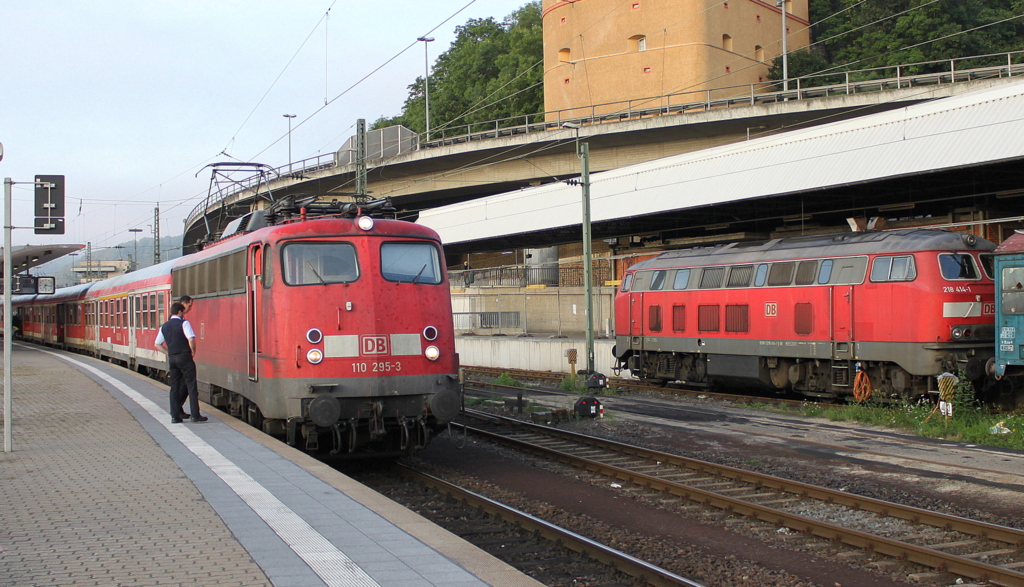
(872, 79)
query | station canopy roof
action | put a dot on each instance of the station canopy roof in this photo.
(26, 257)
(980, 128)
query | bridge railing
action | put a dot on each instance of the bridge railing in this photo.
(802, 88)
(875, 79)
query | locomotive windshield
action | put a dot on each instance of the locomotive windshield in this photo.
(319, 263)
(958, 266)
(410, 262)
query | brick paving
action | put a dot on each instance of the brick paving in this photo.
(88, 497)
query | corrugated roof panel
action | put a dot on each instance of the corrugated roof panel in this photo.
(964, 130)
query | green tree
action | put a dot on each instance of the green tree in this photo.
(492, 70)
(851, 34)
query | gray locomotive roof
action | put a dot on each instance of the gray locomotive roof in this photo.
(810, 247)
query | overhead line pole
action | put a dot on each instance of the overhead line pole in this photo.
(8, 325)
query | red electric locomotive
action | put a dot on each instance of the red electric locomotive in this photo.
(318, 322)
(827, 316)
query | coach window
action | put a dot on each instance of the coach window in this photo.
(806, 272)
(268, 267)
(894, 268)
(627, 281)
(781, 274)
(658, 281)
(711, 277)
(1012, 290)
(740, 275)
(825, 272)
(988, 264)
(682, 279)
(410, 262)
(761, 275)
(319, 263)
(958, 266)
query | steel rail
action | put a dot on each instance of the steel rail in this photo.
(918, 554)
(632, 566)
(631, 385)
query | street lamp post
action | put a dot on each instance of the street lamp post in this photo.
(289, 117)
(785, 59)
(135, 236)
(426, 80)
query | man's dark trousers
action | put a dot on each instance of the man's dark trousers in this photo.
(182, 375)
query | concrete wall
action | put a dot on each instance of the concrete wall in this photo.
(536, 354)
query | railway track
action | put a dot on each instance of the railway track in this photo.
(617, 384)
(546, 552)
(935, 540)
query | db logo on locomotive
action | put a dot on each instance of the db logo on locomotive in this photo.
(373, 344)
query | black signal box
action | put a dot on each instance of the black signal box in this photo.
(50, 196)
(52, 225)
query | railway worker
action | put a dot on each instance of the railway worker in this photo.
(947, 391)
(178, 340)
(187, 301)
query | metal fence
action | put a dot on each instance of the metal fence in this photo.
(565, 275)
(486, 320)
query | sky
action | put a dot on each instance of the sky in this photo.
(131, 100)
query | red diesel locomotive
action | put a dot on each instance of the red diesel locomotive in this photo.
(829, 316)
(335, 331)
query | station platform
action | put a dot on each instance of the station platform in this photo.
(101, 489)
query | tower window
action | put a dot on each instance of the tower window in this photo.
(563, 55)
(758, 53)
(638, 43)
(727, 42)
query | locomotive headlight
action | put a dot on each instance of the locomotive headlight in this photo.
(432, 353)
(365, 222)
(314, 356)
(314, 336)
(430, 333)
(958, 333)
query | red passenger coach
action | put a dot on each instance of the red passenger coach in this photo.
(824, 316)
(318, 322)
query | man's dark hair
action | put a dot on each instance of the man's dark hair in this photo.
(185, 299)
(177, 308)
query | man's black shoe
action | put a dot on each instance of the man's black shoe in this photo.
(199, 418)
(175, 420)
(184, 415)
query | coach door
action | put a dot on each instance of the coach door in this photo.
(636, 314)
(252, 310)
(842, 322)
(60, 324)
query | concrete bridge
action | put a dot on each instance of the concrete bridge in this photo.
(507, 157)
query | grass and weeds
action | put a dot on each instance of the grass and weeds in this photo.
(971, 422)
(572, 384)
(506, 379)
